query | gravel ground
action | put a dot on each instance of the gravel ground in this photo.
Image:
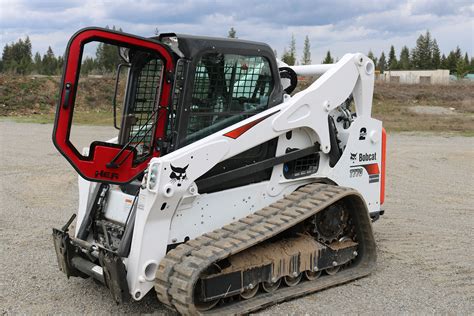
(425, 260)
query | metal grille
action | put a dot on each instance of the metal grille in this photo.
(226, 86)
(145, 106)
(301, 167)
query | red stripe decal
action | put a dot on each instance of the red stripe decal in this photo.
(384, 155)
(372, 168)
(236, 133)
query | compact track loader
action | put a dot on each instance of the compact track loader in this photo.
(221, 190)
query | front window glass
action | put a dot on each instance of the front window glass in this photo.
(227, 89)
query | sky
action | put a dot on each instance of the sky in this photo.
(341, 26)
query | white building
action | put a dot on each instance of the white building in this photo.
(439, 76)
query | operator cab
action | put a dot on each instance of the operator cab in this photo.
(160, 94)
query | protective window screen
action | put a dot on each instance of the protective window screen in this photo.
(142, 110)
(227, 89)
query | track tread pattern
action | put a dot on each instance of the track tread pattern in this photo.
(179, 271)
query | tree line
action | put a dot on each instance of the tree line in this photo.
(425, 55)
(17, 58)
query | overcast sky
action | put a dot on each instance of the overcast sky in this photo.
(339, 25)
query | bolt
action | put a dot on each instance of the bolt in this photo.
(334, 263)
(137, 294)
(274, 279)
(250, 286)
(315, 269)
(295, 274)
(355, 253)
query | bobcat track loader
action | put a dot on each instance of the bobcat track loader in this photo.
(220, 190)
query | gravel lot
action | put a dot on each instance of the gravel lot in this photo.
(425, 253)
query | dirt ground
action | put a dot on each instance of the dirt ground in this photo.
(425, 254)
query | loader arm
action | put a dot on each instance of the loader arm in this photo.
(308, 111)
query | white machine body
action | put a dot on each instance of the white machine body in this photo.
(171, 210)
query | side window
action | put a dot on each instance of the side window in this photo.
(227, 89)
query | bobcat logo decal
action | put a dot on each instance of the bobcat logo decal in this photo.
(178, 174)
(353, 156)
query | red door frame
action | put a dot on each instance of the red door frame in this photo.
(94, 166)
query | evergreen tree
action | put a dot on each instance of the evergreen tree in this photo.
(371, 56)
(26, 62)
(49, 62)
(88, 65)
(232, 33)
(444, 63)
(38, 66)
(435, 55)
(466, 59)
(59, 65)
(452, 60)
(471, 66)
(382, 64)
(17, 57)
(421, 54)
(289, 56)
(107, 58)
(392, 59)
(328, 59)
(404, 62)
(306, 52)
(461, 68)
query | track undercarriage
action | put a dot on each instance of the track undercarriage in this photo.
(316, 237)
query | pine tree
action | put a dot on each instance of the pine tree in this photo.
(466, 59)
(17, 57)
(371, 56)
(392, 59)
(37, 63)
(59, 64)
(461, 68)
(306, 52)
(107, 58)
(26, 62)
(328, 59)
(404, 62)
(382, 64)
(435, 55)
(232, 33)
(88, 65)
(49, 62)
(421, 54)
(452, 60)
(289, 56)
(444, 63)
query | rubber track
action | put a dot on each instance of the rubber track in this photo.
(180, 269)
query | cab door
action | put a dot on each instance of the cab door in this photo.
(146, 98)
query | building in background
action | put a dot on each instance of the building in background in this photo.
(439, 76)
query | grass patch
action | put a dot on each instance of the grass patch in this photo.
(80, 118)
(32, 99)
